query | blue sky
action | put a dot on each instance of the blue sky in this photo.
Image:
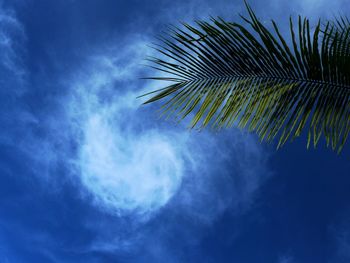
(87, 175)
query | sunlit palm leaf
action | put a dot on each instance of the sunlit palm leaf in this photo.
(228, 75)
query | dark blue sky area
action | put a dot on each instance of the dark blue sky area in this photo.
(87, 175)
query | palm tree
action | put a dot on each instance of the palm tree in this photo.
(226, 74)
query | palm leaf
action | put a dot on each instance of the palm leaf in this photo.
(228, 74)
(341, 25)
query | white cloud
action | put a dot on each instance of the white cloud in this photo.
(128, 172)
(127, 168)
(130, 165)
(125, 161)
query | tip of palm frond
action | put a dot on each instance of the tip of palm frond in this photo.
(149, 93)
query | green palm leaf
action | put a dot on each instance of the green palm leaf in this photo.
(226, 74)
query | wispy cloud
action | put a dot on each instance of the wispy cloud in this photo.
(12, 36)
(339, 233)
(137, 167)
(286, 259)
(126, 161)
(130, 164)
(126, 166)
(13, 78)
(133, 166)
(321, 8)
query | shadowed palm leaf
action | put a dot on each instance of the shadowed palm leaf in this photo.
(226, 74)
(341, 25)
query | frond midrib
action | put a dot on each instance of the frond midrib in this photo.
(277, 78)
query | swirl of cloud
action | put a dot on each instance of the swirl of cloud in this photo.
(129, 164)
(126, 171)
(127, 167)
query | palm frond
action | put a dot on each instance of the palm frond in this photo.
(341, 25)
(231, 74)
